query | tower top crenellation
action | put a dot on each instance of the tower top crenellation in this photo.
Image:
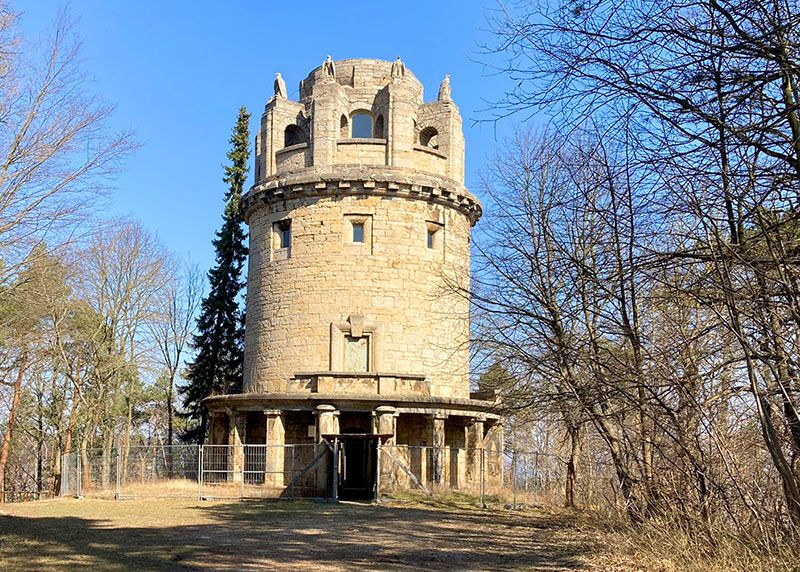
(364, 113)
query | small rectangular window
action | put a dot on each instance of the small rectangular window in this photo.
(435, 236)
(358, 232)
(281, 239)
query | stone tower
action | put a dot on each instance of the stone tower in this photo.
(357, 322)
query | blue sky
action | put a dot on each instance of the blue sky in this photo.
(177, 72)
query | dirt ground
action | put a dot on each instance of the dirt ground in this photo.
(203, 535)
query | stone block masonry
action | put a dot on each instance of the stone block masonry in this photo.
(358, 276)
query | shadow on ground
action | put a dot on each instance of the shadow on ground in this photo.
(285, 535)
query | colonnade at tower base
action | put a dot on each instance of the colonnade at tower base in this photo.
(357, 448)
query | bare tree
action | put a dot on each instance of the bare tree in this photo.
(702, 97)
(180, 298)
(55, 152)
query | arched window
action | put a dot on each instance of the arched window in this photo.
(293, 135)
(429, 137)
(344, 128)
(378, 130)
(362, 125)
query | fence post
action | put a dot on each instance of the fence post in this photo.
(243, 465)
(117, 491)
(378, 473)
(483, 476)
(64, 473)
(514, 477)
(291, 472)
(79, 475)
(199, 472)
(335, 469)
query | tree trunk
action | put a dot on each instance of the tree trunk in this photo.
(572, 466)
(170, 423)
(12, 416)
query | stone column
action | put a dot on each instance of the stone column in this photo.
(384, 422)
(493, 443)
(474, 450)
(327, 424)
(216, 428)
(327, 421)
(437, 456)
(457, 467)
(275, 441)
(325, 118)
(402, 112)
(236, 433)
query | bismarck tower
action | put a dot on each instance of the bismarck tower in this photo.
(359, 241)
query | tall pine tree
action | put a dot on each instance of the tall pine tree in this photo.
(219, 342)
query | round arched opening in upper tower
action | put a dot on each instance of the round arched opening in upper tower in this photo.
(361, 112)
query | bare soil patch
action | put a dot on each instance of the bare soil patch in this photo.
(176, 534)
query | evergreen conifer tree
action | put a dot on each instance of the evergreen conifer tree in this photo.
(219, 341)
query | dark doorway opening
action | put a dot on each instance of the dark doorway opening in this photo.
(358, 465)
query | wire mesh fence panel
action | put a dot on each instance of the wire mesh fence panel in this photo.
(98, 473)
(266, 471)
(532, 477)
(434, 470)
(68, 486)
(308, 471)
(163, 471)
(222, 470)
(313, 471)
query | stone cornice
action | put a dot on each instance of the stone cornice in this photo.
(259, 401)
(363, 180)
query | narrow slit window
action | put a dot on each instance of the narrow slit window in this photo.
(435, 233)
(283, 234)
(358, 232)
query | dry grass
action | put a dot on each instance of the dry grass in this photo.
(409, 533)
(666, 548)
(170, 534)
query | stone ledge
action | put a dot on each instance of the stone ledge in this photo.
(362, 141)
(355, 180)
(307, 401)
(360, 374)
(291, 148)
(430, 151)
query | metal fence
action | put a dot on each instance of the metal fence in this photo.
(200, 471)
(327, 471)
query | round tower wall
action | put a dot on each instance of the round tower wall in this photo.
(311, 304)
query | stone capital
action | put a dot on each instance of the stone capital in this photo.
(325, 408)
(385, 410)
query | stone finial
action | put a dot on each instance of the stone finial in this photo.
(328, 69)
(280, 86)
(398, 68)
(444, 89)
